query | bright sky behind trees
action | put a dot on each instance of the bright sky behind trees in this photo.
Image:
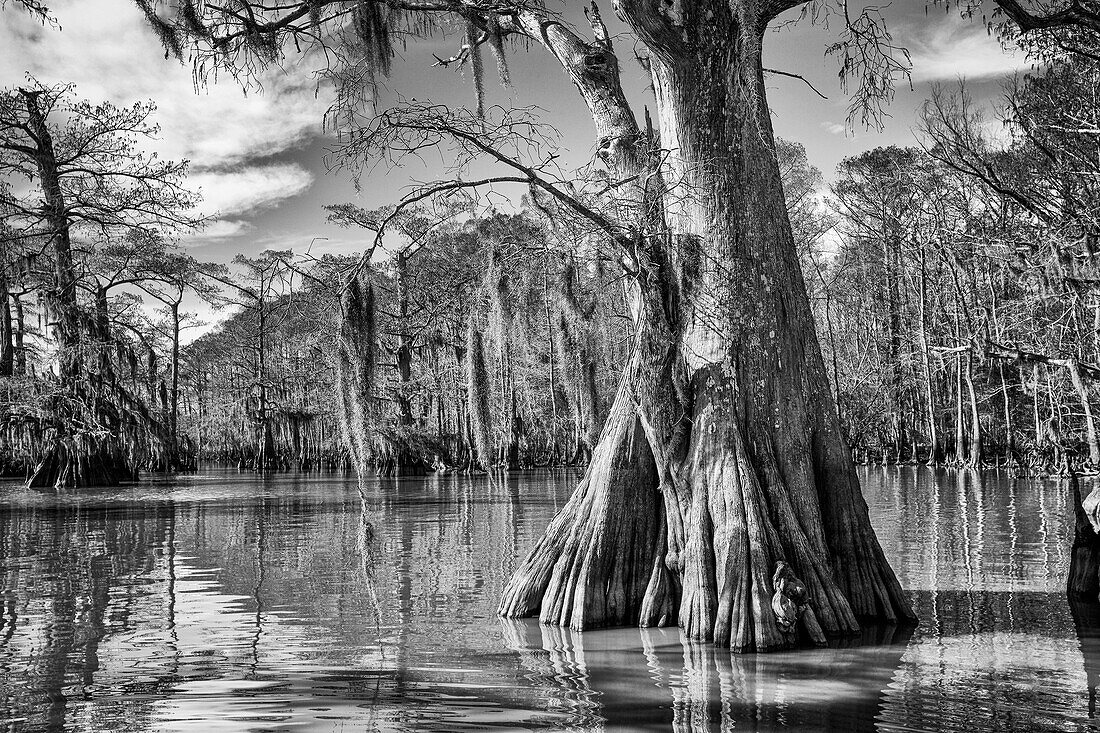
(257, 157)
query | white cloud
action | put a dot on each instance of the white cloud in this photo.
(251, 188)
(958, 48)
(108, 51)
(834, 128)
(221, 229)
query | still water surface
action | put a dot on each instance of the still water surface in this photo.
(234, 602)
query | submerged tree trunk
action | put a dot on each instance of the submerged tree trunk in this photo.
(751, 477)
(595, 561)
(1083, 581)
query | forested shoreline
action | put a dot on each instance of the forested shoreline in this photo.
(953, 286)
(694, 316)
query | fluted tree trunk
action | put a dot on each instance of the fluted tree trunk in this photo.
(743, 464)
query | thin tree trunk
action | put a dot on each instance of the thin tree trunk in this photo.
(934, 454)
(975, 453)
(1007, 408)
(174, 417)
(1035, 404)
(960, 429)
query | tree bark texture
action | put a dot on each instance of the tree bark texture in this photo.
(727, 382)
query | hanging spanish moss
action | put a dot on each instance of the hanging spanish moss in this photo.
(355, 356)
(477, 391)
(496, 43)
(477, 66)
(501, 324)
(167, 32)
(371, 24)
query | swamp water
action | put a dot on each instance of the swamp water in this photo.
(234, 602)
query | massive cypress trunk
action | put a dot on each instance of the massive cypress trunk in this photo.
(751, 480)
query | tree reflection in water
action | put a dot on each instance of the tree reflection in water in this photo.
(657, 679)
(1086, 622)
(270, 603)
(66, 586)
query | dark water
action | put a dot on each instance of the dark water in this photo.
(226, 602)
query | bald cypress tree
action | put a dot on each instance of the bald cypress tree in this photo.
(721, 466)
(89, 184)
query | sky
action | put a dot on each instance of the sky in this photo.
(257, 156)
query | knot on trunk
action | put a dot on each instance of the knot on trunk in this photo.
(790, 599)
(672, 561)
(610, 147)
(597, 60)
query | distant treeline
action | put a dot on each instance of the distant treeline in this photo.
(494, 344)
(960, 311)
(955, 287)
